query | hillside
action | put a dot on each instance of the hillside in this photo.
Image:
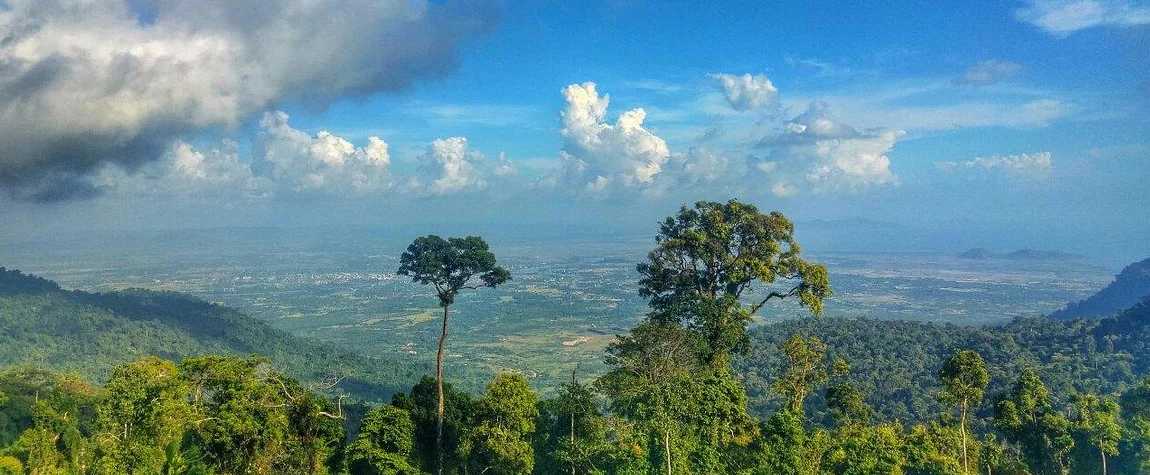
(1128, 288)
(44, 325)
(895, 363)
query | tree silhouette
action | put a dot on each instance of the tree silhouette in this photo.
(450, 265)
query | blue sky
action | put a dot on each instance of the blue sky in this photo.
(991, 123)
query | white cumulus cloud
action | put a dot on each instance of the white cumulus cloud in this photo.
(598, 156)
(747, 92)
(816, 153)
(295, 161)
(448, 167)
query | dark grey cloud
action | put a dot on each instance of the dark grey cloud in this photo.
(86, 84)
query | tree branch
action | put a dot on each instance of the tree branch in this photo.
(774, 295)
(339, 409)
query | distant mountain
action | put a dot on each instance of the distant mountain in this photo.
(1128, 288)
(979, 253)
(44, 325)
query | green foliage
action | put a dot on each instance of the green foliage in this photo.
(1135, 405)
(1097, 420)
(805, 369)
(863, 449)
(10, 465)
(847, 405)
(572, 434)
(964, 379)
(896, 363)
(142, 413)
(935, 448)
(1027, 418)
(709, 257)
(91, 333)
(451, 264)
(500, 441)
(787, 447)
(458, 416)
(384, 444)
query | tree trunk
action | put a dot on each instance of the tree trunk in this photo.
(1103, 452)
(965, 464)
(439, 387)
(667, 449)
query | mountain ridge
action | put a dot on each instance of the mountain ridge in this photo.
(1129, 287)
(86, 332)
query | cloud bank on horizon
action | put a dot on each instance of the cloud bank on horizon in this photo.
(183, 99)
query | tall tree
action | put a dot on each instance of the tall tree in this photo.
(964, 380)
(384, 443)
(500, 441)
(708, 258)
(1098, 419)
(459, 418)
(805, 369)
(572, 433)
(847, 406)
(651, 380)
(450, 265)
(1027, 418)
(142, 418)
(1135, 404)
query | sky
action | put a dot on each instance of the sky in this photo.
(1000, 124)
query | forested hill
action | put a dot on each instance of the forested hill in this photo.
(90, 333)
(1129, 287)
(895, 363)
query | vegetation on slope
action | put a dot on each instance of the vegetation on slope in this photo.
(89, 333)
(896, 362)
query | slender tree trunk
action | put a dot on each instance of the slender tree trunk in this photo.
(1103, 452)
(667, 449)
(965, 464)
(439, 386)
(573, 426)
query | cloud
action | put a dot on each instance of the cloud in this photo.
(817, 153)
(289, 162)
(598, 156)
(1063, 17)
(989, 72)
(937, 105)
(297, 162)
(701, 166)
(746, 92)
(187, 171)
(1044, 110)
(822, 68)
(448, 167)
(1033, 165)
(85, 83)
